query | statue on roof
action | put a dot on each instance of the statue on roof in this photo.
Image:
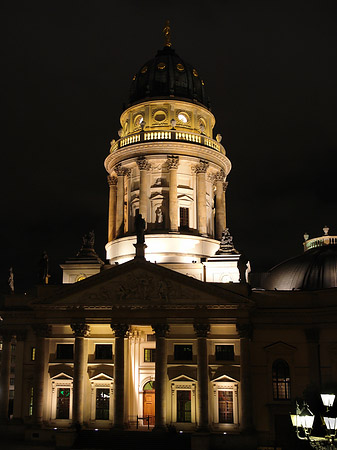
(88, 240)
(11, 280)
(226, 243)
(140, 228)
(44, 268)
(167, 34)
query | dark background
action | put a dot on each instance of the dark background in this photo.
(270, 71)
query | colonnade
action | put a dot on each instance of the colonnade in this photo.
(82, 331)
(117, 187)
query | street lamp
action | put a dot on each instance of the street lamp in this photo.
(303, 421)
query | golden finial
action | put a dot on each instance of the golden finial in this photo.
(167, 34)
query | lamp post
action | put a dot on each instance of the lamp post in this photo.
(303, 421)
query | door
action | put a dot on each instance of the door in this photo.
(149, 406)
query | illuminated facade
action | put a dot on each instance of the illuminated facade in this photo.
(172, 338)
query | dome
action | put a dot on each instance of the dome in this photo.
(168, 76)
(315, 269)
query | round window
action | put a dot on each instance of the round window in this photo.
(138, 120)
(195, 73)
(161, 66)
(159, 116)
(180, 67)
(183, 117)
(144, 69)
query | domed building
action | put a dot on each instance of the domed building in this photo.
(315, 269)
(168, 335)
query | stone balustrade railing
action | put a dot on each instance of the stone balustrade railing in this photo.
(168, 135)
(319, 242)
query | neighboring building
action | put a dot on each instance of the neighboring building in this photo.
(169, 331)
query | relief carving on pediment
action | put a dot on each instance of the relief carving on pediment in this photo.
(140, 288)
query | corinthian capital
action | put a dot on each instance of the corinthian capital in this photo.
(143, 163)
(201, 167)
(201, 329)
(112, 181)
(119, 170)
(80, 329)
(120, 329)
(219, 176)
(172, 162)
(161, 329)
(42, 330)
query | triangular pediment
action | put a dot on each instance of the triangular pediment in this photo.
(226, 374)
(184, 379)
(101, 377)
(62, 376)
(280, 347)
(141, 284)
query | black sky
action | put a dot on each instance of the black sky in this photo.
(270, 72)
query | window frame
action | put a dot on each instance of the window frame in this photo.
(281, 382)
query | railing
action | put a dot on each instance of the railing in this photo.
(171, 135)
(319, 242)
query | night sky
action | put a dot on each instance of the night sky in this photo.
(270, 72)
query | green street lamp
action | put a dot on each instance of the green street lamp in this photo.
(303, 421)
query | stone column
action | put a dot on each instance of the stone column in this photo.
(112, 181)
(224, 187)
(6, 336)
(312, 337)
(201, 170)
(81, 330)
(144, 167)
(219, 205)
(119, 200)
(202, 330)
(19, 363)
(161, 331)
(42, 332)
(120, 330)
(245, 332)
(172, 164)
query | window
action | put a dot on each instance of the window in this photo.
(184, 218)
(31, 396)
(65, 351)
(63, 403)
(149, 354)
(102, 404)
(103, 351)
(32, 353)
(224, 352)
(12, 381)
(225, 402)
(281, 380)
(13, 347)
(184, 406)
(183, 352)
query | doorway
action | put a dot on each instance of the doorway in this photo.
(149, 403)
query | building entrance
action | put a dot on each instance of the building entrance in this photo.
(149, 403)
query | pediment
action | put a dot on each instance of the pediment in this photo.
(101, 377)
(182, 373)
(184, 379)
(59, 376)
(280, 347)
(226, 374)
(141, 284)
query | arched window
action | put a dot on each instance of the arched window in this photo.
(281, 380)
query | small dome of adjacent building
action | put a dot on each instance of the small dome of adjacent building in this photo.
(168, 76)
(315, 269)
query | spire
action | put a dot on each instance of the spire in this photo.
(167, 34)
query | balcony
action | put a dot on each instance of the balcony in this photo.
(168, 135)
